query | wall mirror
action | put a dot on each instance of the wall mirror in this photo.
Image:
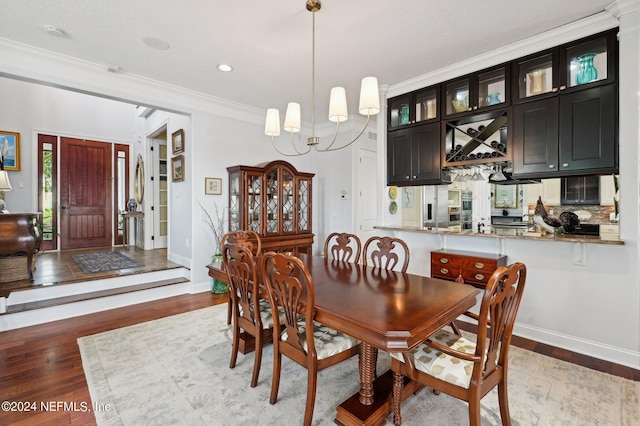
(139, 180)
(505, 196)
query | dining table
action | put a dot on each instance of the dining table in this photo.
(384, 309)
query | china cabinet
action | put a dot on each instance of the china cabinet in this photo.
(274, 200)
(479, 91)
(413, 156)
(416, 107)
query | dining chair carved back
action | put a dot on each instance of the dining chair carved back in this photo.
(307, 342)
(251, 313)
(386, 253)
(460, 367)
(249, 239)
(343, 246)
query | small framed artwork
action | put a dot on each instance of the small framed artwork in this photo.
(177, 141)
(213, 186)
(177, 168)
(10, 150)
(505, 196)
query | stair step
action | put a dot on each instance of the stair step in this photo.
(47, 303)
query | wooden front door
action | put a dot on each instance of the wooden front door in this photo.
(85, 194)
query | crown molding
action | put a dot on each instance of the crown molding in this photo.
(591, 25)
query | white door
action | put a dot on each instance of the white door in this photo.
(367, 194)
(159, 183)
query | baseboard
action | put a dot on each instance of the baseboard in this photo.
(587, 347)
(70, 310)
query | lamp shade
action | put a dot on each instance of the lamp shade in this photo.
(292, 118)
(5, 185)
(272, 123)
(338, 105)
(369, 96)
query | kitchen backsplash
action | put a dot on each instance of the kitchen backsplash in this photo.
(599, 214)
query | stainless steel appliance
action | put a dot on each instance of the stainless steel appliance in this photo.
(465, 215)
(435, 206)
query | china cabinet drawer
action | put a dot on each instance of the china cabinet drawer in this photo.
(475, 268)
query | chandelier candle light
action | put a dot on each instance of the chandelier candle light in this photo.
(369, 105)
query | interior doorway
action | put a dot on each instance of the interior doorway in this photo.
(159, 188)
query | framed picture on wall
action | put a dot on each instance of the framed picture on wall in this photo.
(177, 168)
(505, 196)
(213, 186)
(10, 150)
(177, 141)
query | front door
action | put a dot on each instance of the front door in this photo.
(85, 194)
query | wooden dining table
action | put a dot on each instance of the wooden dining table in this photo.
(385, 310)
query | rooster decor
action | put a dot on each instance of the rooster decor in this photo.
(568, 221)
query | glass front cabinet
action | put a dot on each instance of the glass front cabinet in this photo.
(417, 107)
(484, 90)
(574, 66)
(273, 200)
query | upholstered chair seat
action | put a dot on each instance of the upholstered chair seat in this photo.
(328, 342)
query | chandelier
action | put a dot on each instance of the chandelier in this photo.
(369, 105)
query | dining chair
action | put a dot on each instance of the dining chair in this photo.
(464, 368)
(303, 340)
(343, 246)
(249, 239)
(251, 312)
(386, 253)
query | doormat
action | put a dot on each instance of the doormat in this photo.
(104, 261)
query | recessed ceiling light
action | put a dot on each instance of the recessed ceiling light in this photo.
(54, 31)
(156, 43)
(225, 68)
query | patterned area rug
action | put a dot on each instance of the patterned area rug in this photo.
(104, 261)
(175, 370)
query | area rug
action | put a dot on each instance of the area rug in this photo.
(175, 370)
(104, 261)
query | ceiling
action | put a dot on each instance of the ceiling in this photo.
(268, 43)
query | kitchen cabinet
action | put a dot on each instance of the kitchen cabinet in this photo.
(571, 134)
(413, 156)
(416, 107)
(273, 200)
(548, 189)
(607, 190)
(584, 63)
(475, 268)
(483, 90)
(580, 190)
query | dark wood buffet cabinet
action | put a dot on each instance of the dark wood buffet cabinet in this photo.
(274, 200)
(549, 114)
(20, 238)
(475, 268)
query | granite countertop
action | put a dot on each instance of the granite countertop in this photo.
(518, 234)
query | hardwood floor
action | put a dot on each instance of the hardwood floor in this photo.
(42, 363)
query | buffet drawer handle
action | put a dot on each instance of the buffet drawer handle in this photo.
(479, 277)
(479, 265)
(444, 271)
(444, 260)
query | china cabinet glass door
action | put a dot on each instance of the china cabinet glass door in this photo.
(272, 209)
(287, 201)
(234, 201)
(254, 202)
(304, 205)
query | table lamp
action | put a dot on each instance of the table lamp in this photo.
(5, 185)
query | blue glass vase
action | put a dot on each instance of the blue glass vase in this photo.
(587, 71)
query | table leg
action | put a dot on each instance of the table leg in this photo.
(367, 371)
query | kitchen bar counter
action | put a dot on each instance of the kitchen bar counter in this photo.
(518, 234)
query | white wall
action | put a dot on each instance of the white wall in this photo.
(30, 109)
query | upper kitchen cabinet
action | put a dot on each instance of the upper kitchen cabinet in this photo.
(413, 108)
(413, 156)
(483, 90)
(573, 66)
(572, 134)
